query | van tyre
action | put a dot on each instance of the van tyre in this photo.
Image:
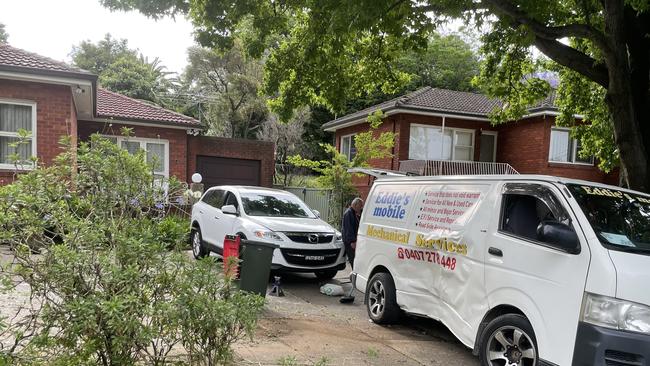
(326, 275)
(198, 249)
(381, 301)
(508, 340)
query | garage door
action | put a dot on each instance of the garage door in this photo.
(222, 171)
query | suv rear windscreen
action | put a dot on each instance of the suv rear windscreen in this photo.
(620, 219)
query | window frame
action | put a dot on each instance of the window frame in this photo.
(32, 138)
(453, 130)
(533, 190)
(574, 149)
(347, 153)
(143, 142)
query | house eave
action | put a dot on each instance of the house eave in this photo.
(342, 123)
(144, 123)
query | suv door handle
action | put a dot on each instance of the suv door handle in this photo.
(201, 212)
(495, 252)
(216, 217)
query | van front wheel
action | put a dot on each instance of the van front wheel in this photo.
(381, 300)
(509, 340)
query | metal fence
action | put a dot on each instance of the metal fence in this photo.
(445, 167)
(316, 198)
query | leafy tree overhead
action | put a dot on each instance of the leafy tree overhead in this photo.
(229, 83)
(335, 50)
(4, 36)
(123, 70)
(97, 57)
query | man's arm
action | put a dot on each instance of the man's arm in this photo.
(348, 227)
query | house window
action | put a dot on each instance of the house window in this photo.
(157, 152)
(348, 147)
(432, 143)
(564, 149)
(14, 117)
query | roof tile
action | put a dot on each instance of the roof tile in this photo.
(15, 57)
(118, 106)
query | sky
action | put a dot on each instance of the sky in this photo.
(51, 27)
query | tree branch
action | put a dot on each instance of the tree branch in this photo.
(550, 33)
(573, 59)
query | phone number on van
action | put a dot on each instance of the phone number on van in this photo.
(426, 256)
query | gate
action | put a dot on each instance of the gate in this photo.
(316, 198)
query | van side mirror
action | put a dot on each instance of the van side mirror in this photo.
(229, 210)
(559, 235)
(316, 213)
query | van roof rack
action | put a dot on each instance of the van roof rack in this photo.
(377, 173)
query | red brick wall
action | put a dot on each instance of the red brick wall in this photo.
(54, 117)
(236, 149)
(177, 141)
(522, 144)
(525, 145)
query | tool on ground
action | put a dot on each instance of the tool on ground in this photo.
(349, 298)
(276, 290)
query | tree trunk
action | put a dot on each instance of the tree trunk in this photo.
(627, 96)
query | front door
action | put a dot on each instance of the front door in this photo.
(542, 280)
(225, 222)
(488, 149)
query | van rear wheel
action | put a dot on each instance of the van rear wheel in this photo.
(509, 340)
(381, 300)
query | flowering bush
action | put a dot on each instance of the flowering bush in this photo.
(108, 280)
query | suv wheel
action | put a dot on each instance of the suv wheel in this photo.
(508, 339)
(381, 301)
(198, 249)
(326, 275)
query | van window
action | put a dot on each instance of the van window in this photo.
(525, 206)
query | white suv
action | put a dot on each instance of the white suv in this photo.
(307, 243)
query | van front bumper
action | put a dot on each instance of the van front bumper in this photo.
(602, 346)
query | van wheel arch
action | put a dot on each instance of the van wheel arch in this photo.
(492, 314)
(195, 225)
(378, 269)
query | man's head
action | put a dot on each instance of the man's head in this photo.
(357, 204)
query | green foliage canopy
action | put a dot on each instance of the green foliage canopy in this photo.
(123, 70)
(330, 51)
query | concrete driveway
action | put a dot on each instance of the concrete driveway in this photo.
(306, 327)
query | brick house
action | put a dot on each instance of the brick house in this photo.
(51, 99)
(441, 131)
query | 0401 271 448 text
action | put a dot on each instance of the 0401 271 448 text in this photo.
(426, 256)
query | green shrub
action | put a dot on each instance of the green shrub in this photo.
(110, 284)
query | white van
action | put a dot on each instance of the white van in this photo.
(525, 270)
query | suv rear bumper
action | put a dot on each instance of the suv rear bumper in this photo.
(602, 346)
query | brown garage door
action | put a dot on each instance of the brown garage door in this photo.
(221, 171)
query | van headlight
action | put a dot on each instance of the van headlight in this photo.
(268, 235)
(615, 314)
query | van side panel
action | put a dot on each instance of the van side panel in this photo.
(431, 238)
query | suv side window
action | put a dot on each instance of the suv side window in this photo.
(231, 200)
(214, 198)
(525, 206)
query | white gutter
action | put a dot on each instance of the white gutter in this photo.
(44, 79)
(145, 124)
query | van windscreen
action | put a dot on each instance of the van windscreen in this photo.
(620, 219)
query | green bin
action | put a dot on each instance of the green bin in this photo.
(255, 266)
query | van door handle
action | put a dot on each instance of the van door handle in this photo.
(201, 212)
(216, 217)
(495, 252)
